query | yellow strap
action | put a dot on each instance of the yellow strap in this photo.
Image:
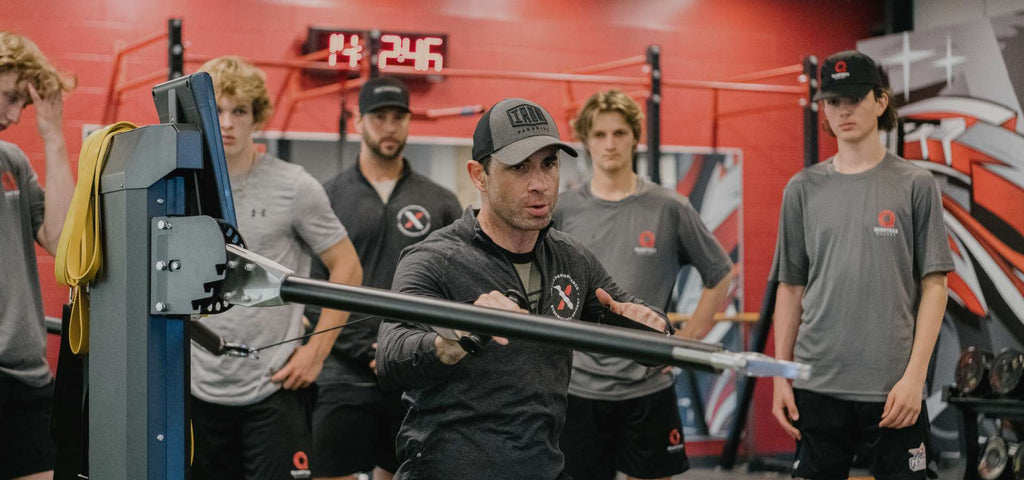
(79, 253)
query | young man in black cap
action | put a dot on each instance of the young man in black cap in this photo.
(861, 261)
(386, 207)
(497, 414)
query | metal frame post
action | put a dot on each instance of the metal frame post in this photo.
(811, 112)
(175, 49)
(373, 47)
(654, 115)
(745, 387)
(138, 362)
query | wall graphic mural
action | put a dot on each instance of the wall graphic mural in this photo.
(959, 92)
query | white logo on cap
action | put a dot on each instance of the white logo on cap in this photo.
(386, 88)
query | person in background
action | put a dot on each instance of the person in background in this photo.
(251, 417)
(28, 215)
(624, 416)
(861, 261)
(385, 206)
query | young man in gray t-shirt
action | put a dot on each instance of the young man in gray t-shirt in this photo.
(27, 217)
(861, 262)
(643, 235)
(251, 416)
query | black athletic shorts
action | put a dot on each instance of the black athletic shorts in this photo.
(268, 440)
(25, 444)
(354, 433)
(641, 437)
(832, 431)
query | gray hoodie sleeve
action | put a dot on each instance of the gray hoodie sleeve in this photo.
(406, 356)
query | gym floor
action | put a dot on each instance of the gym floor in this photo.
(740, 473)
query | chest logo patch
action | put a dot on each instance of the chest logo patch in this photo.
(645, 244)
(413, 221)
(10, 186)
(886, 224)
(565, 298)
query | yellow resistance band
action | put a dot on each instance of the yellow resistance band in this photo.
(79, 253)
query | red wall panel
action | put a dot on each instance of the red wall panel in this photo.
(700, 39)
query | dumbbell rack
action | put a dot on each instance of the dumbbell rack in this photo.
(970, 408)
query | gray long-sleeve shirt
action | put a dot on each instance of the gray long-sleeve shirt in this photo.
(497, 414)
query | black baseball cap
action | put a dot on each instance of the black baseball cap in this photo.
(382, 92)
(513, 129)
(848, 74)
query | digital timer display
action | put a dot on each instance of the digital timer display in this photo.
(424, 52)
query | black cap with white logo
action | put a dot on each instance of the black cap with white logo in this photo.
(383, 92)
(848, 74)
(513, 129)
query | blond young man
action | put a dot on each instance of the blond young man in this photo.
(861, 261)
(28, 216)
(251, 417)
(623, 416)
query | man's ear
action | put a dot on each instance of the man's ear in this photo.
(357, 121)
(883, 103)
(478, 174)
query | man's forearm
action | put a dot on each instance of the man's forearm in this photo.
(711, 300)
(59, 189)
(929, 321)
(407, 357)
(323, 342)
(787, 319)
(344, 273)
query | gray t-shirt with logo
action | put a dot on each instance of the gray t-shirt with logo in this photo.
(22, 331)
(643, 241)
(860, 245)
(284, 215)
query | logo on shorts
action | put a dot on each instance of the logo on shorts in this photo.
(675, 441)
(10, 186)
(567, 295)
(886, 224)
(301, 462)
(413, 221)
(918, 459)
(645, 244)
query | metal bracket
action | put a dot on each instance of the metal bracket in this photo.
(751, 364)
(186, 262)
(252, 280)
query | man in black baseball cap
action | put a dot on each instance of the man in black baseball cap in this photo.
(497, 413)
(386, 206)
(861, 262)
(848, 74)
(382, 92)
